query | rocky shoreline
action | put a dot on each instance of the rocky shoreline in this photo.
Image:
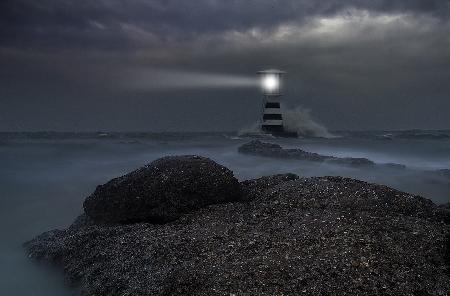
(185, 226)
(259, 148)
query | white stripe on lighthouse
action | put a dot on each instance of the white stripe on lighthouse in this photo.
(273, 122)
(272, 111)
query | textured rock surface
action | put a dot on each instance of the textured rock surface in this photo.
(162, 191)
(257, 147)
(312, 236)
(254, 188)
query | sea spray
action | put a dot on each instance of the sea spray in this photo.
(254, 128)
(299, 120)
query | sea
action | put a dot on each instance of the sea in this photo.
(45, 176)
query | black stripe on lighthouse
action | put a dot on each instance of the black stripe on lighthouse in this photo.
(272, 105)
(272, 117)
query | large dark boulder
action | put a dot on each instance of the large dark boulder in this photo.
(162, 191)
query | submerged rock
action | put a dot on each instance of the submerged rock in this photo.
(444, 173)
(162, 191)
(291, 236)
(395, 166)
(257, 147)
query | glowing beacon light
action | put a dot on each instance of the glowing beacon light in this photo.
(272, 118)
(271, 83)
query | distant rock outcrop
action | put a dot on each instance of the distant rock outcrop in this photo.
(257, 147)
(162, 191)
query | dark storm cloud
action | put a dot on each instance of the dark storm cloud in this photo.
(382, 64)
(108, 23)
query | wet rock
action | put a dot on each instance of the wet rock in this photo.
(395, 166)
(162, 191)
(293, 236)
(259, 148)
(353, 161)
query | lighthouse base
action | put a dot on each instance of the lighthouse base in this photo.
(284, 134)
(278, 131)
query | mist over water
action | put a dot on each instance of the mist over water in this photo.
(44, 178)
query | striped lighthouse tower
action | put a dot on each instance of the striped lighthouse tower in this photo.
(272, 118)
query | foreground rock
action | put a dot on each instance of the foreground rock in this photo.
(257, 147)
(162, 191)
(292, 236)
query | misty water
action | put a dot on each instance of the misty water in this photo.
(44, 178)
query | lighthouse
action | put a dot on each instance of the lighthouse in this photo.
(272, 117)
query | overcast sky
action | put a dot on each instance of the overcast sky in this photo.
(138, 64)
